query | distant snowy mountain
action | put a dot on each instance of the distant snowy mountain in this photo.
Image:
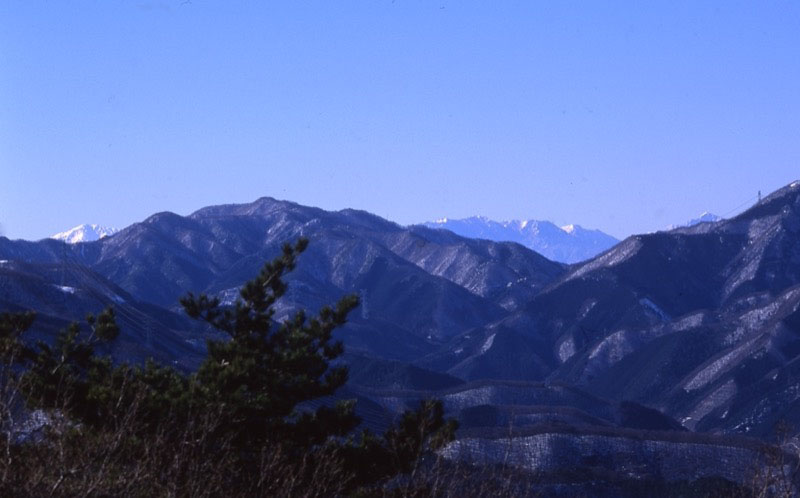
(706, 217)
(567, 244)
(84, 233)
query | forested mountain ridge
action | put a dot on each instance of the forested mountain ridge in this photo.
(694, 330)
(452, 283)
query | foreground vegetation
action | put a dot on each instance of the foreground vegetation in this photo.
(76, 423)
(235, 427)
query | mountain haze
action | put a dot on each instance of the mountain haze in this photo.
(567, 244)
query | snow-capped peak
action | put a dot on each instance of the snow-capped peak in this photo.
(84, 233)
(568, 243)
(705, 217)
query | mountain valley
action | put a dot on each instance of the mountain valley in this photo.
(685, 337)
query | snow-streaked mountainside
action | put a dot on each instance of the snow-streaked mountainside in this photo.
(84, 233)
(706, 217)
(567, 244)
(671, 348)
(451, 283)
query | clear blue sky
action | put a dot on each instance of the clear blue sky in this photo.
(623, 116)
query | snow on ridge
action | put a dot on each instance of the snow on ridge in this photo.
(84, 233)
(567, 244)
(704, 218)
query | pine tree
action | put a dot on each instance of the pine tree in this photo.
(247, 401)
(265, 370)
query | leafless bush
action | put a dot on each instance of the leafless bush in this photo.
(776, 474)
(70, 460)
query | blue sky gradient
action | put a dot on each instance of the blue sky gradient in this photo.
(622, 116)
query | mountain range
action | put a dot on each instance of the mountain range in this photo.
(566, 244)
(685, 339)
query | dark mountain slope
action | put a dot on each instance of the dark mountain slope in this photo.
(699, 322)
(514, 406)
(486, 269)
(507, 273)
(418, 286)
(649, 280)
(695, 321)
(62, 293)
(733, 371)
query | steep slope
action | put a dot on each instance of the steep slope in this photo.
(507, 273)
(67, 292)
(452, 284)
(698, 321)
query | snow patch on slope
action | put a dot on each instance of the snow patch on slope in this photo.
(663, 315)
(610, 351)
(689, 321)
(721, 395)
(719, 366)
(566, 349)
(488, 344)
